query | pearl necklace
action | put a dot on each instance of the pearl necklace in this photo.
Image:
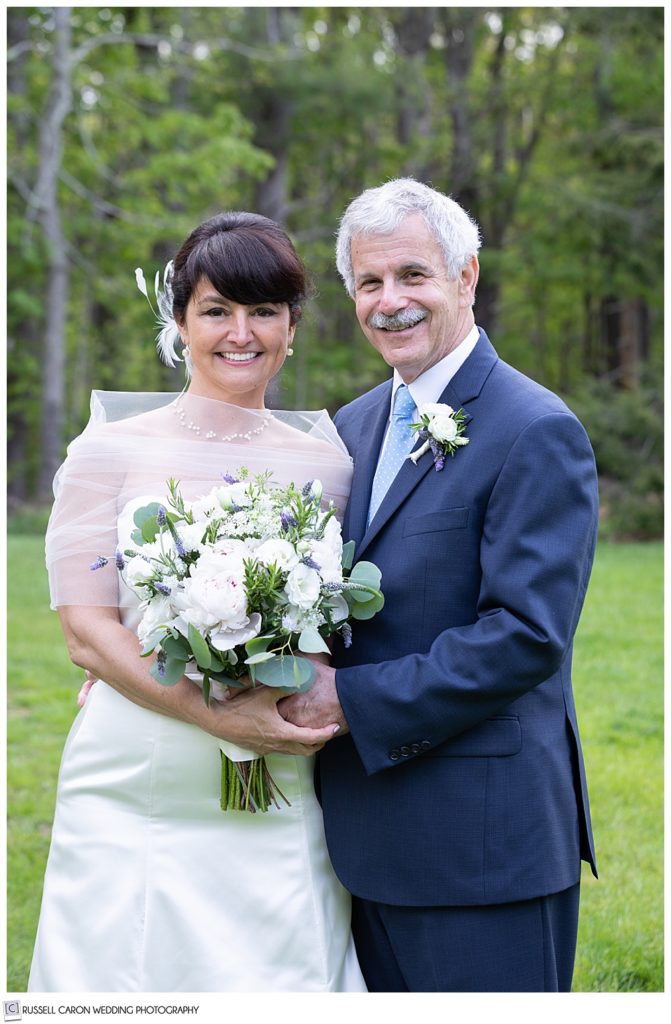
(211, 435)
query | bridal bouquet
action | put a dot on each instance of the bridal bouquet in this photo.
(242, 582)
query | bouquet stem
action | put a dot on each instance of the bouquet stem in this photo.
(248, 786)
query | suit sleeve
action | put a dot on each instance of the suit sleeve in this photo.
(536, 553)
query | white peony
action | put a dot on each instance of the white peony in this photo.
(214, 600)
(302, 586)
(227, 554)
(227, 639)
(278, 552)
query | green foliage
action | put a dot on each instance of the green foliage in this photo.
(627, 433)
(545, 122)
(618, 681)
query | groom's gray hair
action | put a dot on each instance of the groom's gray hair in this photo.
(379, 211)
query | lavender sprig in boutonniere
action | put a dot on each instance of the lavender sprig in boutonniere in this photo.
(441, 429)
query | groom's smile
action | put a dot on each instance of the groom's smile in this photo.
(408, 306)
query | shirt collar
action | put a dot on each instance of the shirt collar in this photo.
(429, 386)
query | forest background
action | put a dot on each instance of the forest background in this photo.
(129, 125)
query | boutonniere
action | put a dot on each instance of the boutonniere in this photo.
(441, 429)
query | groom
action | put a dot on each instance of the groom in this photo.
(454, 794)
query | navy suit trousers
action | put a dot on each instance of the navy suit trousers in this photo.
(511, 947)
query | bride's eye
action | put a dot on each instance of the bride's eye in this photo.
(265, 311)
(216, 311)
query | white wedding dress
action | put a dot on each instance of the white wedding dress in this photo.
(150, 887)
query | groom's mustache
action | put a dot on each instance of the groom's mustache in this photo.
(397, 321)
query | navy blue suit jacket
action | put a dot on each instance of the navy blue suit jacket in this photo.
(462, 780)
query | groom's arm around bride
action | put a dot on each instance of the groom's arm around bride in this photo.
(454, 800)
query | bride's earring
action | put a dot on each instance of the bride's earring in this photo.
(188, 361)
(290, 352)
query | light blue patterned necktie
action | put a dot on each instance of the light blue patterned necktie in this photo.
(398, 446)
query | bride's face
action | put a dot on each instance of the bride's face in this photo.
(236, 349)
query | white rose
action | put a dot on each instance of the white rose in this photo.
(202, 509)
(317, 489)
(432, 409)
(137, 571)
(157, 614)
(293, 619)
(328, 560)
(191, 535)
(333, 534)
(302, 587)
(443, 428)
(278, 552)
(232, 495)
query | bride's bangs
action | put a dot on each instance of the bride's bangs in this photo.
(247, 269)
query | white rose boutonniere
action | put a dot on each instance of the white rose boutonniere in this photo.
(441, 429)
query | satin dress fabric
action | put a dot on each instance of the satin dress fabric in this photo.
(150, 887)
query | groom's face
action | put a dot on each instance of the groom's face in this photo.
(408, 307)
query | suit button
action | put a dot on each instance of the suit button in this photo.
(426, 745)
(405, 751)
(394, 755)
(415, 748)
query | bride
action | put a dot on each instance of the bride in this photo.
(149, 886)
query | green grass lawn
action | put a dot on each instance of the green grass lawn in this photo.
(619, 693)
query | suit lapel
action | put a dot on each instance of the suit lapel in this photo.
(372, 432)
(464, 388)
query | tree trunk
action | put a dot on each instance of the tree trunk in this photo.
(273, 124)
(18, 30)
(48, 213)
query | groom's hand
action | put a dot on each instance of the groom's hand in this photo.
(317, 707)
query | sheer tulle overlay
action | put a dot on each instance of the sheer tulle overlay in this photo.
(150, 887)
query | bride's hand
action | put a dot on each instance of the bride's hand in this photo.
(251, 719)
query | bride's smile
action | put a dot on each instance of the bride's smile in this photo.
(235, 348)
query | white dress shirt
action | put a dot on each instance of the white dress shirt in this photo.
(429, 386)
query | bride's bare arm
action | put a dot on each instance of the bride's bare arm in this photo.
(98, 642)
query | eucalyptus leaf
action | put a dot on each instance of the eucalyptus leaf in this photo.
(311, 642)
(348, 550)
(366, 573)
(146, 512)
(360, 596)
(287, 672)
(201, 651)
(258, 659)
(172, 672)
(258, 643)
(369, 609)
(225, 680)
(176, 647)
(150, 530)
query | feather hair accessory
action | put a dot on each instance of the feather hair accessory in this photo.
(168, 336)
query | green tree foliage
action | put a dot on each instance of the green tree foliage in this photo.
(546, 123)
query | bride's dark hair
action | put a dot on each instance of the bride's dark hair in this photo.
(247, 258)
